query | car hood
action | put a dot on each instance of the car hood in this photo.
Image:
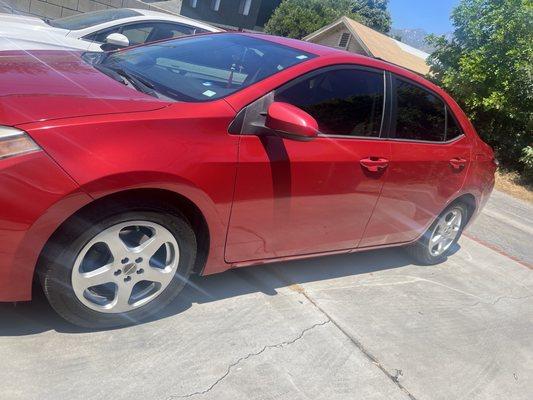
(25, 20)
(24, 42)
(27, 33)
(44, 85)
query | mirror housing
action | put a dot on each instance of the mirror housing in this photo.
(116, 40)
(291, 122)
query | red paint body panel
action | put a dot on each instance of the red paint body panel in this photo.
(36, 196)
(264, 199)
(420, 182)
(294, 198)
(184, 148)
(44, 85)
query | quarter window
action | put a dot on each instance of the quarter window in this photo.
(343, 101)
(420, 115)
(453, 130)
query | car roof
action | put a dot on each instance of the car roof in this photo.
(339, 54)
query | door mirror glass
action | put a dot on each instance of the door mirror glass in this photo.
(291, 122)
(117, 40)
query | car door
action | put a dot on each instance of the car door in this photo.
(429, 159)
(295, 198)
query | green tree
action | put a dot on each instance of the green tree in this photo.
(488, 67)
(373, 13)
(298, 18)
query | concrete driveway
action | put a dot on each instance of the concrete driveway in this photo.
(362, 326)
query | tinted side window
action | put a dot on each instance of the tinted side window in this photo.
(420, 115)
(343, 101)
(168, 30)
(138, 33)
(453, 130)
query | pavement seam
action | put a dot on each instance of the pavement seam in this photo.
(393, 378)
(249, 355)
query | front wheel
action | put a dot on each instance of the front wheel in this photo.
(437, 242)
(116, 268)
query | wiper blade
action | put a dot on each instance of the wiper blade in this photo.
(111, 73)
(140, 84)
(120, 75)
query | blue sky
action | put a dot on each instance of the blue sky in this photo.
(430, 15)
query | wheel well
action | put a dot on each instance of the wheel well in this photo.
(167, 200)
(469, 201)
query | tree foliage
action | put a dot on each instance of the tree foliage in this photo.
(298, 18)
(488, 67)
(373, 13)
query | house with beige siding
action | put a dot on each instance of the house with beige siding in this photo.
(350, 35)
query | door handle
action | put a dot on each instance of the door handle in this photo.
(375, 164)
(458, 163)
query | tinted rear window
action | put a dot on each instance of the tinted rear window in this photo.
(85, 20)
(203, 68)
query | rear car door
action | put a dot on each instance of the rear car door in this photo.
(295, 198)
(429, 159)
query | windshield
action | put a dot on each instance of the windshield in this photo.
(82, 21)
(203, 68)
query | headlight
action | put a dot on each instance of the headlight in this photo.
(14, 142)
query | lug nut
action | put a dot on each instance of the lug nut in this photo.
(139, 260)
(127, 279)
(140, 271)
(118, 272)
(124, 260)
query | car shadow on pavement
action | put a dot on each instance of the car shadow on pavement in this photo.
(37, 316)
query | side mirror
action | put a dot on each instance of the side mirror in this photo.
(117, 40)
(291, 122)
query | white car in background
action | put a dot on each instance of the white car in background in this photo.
(95, 31)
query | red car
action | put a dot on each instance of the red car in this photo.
(123, 173)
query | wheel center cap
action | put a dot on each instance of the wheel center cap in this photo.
(130, 269)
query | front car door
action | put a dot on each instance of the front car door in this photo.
(429, 159)
(296, 198)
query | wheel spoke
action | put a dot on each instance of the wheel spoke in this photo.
(453, 219)
(437, 239)
(116, 246)
(97, 277)
(157, 275)
(122, 297)
(150, 246)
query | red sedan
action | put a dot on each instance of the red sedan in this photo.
(123, 173)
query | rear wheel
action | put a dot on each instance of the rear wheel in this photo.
(437, 242)
(114, 268)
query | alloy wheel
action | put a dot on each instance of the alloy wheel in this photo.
(445, 232)
(125, 266)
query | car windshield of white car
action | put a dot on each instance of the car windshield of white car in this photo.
(203, 68)
(85, 20)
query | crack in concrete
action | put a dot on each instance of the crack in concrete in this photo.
(492, 303)
(249, 355)
(395, 379)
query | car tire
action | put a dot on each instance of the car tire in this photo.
(76, 257)
(443, 231)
